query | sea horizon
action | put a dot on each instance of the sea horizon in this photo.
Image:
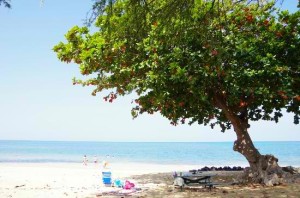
(29, 140)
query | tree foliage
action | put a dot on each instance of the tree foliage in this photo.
(6, 3)
(182, 57)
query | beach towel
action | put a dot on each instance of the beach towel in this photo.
(117, 193)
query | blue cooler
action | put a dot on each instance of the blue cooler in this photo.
(106, 178)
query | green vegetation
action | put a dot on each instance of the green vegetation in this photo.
(212, 62)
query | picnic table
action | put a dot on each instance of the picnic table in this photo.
(195, 179)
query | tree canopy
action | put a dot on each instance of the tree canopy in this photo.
(216, 62)
(6, 3)
(193, 61)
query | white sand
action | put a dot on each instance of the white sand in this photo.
(68, 179)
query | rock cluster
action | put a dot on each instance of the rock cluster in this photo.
(225, 168)
(281, 175)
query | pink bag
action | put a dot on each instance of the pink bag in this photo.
(128, 185)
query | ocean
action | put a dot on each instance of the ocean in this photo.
(177, 153)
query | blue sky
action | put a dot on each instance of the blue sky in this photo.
(39, 102)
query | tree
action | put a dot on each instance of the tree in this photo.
(211, 62)
(6, 3)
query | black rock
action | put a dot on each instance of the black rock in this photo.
(239, 168)
(193, 171)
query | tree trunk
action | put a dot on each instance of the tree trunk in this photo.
(263, 168)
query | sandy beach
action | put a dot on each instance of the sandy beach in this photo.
(21, 180)
(69, 179)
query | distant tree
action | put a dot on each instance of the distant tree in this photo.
(6, 3)
(211, 62)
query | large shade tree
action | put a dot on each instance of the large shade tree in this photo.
(213, 62)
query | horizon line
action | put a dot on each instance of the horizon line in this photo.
(143, 141)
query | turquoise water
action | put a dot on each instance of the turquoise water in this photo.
(185, 153)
